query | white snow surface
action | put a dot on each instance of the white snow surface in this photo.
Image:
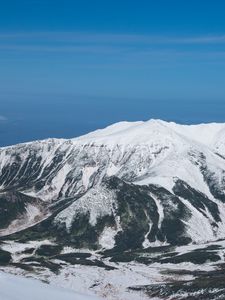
(106, 239)
(124, 133)
(18, 288)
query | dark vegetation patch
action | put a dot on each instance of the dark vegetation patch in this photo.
(43, 230)
(158, 249)
(195, 257)
(210, 248)
(25, 267)
(5, 257)
(172, 227)
(215, 187)
(206, 286)
(83, 234)
(146, 259)
(13, 206)
(28, 251)
(70, 256)
(197, 200)
(48, 250)
(81, 259)
(47, 261)
(137, 207)
(43, 263)
(144, 256)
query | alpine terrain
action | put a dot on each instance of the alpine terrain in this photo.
(132, 211)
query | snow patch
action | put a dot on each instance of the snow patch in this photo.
(107, 238)
(87, 173)
(96, 203)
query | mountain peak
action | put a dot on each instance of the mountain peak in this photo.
(144, 132)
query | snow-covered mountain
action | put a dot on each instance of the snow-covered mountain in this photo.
(132, 184)
(132, 211)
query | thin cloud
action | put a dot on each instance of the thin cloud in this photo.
(117, 47)
(63, 48)
(3, 118)
(110, 38)
(122, 51)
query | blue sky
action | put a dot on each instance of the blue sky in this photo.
(67, 67)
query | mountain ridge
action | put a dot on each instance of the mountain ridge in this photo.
(215, 127)
(148, 154)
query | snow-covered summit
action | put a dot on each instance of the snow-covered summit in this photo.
(145, 132)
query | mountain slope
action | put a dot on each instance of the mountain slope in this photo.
(130, 185)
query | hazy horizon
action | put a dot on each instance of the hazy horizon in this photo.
(72, 68)
(67, 117)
